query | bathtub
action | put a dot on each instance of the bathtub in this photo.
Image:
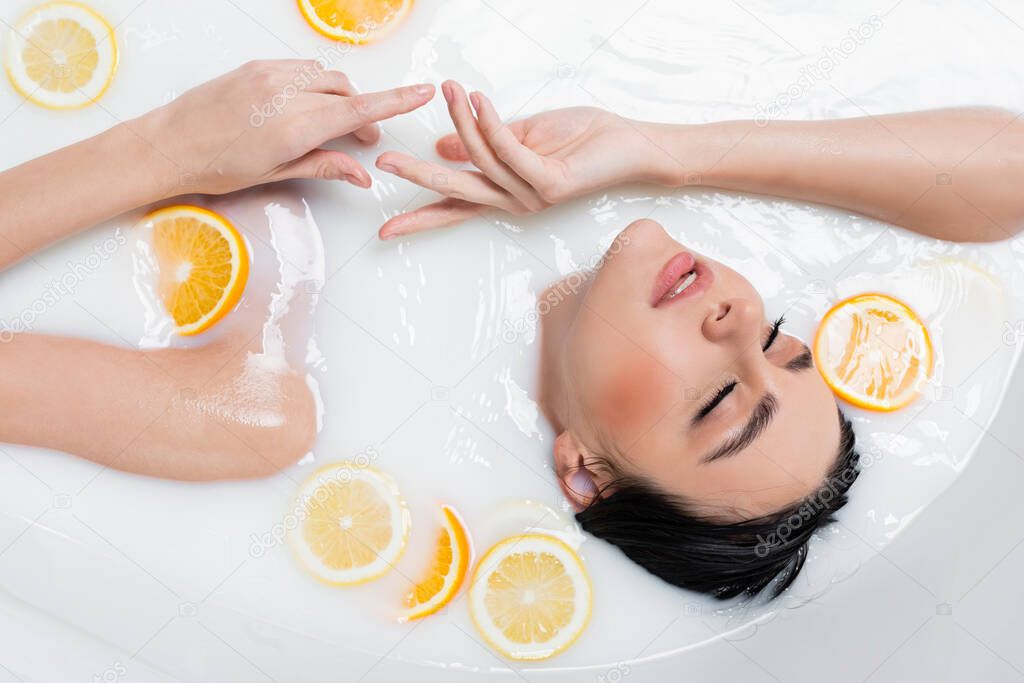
(425, 349)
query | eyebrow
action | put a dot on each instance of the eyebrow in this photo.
(759, 420)
(762, 415)
(802, 361)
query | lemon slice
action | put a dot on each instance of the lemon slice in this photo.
(353, 526)
(354, 21)
(451, 562)
(62, 55)
(202, 263)
(530, 597)
(874, 352)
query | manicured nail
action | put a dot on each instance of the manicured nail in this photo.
(423, 89)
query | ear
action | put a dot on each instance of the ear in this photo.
(580, 483)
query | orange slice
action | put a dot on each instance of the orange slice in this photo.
(874, 352)
(530, 597)
(443, 581)
(354, 524)
(354, 21)
(62, 55)
(203, 265)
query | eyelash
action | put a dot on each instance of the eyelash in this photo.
(774, 333)
(716, 398)
(726, 389)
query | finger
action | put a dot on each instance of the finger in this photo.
(350, 113)
(446, 212)
(524, 161)
(480, 152)
(325, 164)
(337, 83)
(332, 83)
(450, 146)
(310, 75)
(297, 66)
(468, 185)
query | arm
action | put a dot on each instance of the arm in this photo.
(63, 192)
(950, 174)
(214, 139)
(201, 413)
(175, 413)
(953, 174)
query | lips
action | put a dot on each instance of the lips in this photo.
(682, 277)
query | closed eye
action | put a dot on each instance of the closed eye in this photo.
(719, 396)
(714, 401)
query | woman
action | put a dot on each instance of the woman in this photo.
(691, 432)
(689, 427)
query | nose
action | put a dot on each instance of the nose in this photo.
(733, 321)
(643, 231)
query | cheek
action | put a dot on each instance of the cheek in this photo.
(634, 396)
(626, 383)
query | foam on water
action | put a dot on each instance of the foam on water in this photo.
(423, 350)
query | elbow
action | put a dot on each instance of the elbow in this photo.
(987, 229)
(999, 224)
(979, 198)
(1000, 233)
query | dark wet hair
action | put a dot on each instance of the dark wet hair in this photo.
(664, 535)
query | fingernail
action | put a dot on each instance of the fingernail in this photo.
(475, 99)
(387, 168)
(446, 90)
(423, 89)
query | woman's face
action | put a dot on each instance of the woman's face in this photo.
(686, 386)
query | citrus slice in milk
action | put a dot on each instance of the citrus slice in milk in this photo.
(61, 55)
(447, 573)
(353, 526)
(354, 21)
(874, 352)
(530, 597)
(202, 263)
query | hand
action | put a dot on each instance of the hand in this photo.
(525, 166)
(265, 122)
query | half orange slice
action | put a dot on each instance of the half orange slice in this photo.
(442, 582)
(203, 265)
